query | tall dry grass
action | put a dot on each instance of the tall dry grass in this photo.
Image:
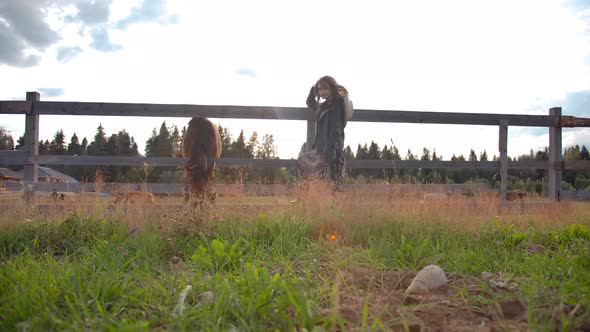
(317, 202)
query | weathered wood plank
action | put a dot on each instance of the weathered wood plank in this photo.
(159, 161)
(431, 164)
(250, 189)
(572, 121)
(528, 164)
(288, 163)
(574, 195)
(15, 107)
(278, 113)
(281, 113)
(450, 118)
(256, 163)
(111, 161)
(12, 157)
(576, 165)
(443, 164)
(173, 110)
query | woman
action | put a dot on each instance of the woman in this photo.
(330, 123)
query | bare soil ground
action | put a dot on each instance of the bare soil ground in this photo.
(464, 304)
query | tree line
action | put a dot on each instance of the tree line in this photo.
(167, 142)
(533, 180)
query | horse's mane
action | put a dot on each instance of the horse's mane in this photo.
(201, 147)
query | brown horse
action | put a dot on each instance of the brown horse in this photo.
(201, 148)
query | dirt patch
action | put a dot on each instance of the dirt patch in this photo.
(365, 296)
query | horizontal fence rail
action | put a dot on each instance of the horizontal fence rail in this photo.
(33, 107)
(275, 113)
(467, 189)
(259, 189)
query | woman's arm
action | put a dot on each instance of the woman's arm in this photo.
(311, 101)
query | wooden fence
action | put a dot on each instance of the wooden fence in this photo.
(33, 108)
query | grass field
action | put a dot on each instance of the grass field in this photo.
(320, 263)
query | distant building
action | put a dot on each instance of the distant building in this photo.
(46, 174)
(9, 175)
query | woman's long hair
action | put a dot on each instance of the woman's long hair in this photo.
(336, 90)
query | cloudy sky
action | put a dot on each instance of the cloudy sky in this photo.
(482, 56)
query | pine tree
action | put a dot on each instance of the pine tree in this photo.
(441, 175)
(362, 152)
(44, 147)
(151, 144)
(176, 140)
(435, 156)
(74, 148)
(20, 143)
(160, 144)
(120, 144)
(98, 147)
(425, 154)
(58, 144)
(267, 149)
(165, 142)
(134, 148)
(374, 151)
(226, 141)
(238, 147)
(572, 153)
(542, 155)
(126, 145)
(84, 147)
(113, 147)
(425, 174)
(472, 155)
(253, 147)
(6, 140)
(348, 155)
(386, 153)
(458, 175)
(396, 155)
(483, 156)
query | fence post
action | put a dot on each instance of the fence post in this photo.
(310, 135)
(31, 167)
(555, 157)
(503, 145)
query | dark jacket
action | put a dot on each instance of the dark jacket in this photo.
(329, 137)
